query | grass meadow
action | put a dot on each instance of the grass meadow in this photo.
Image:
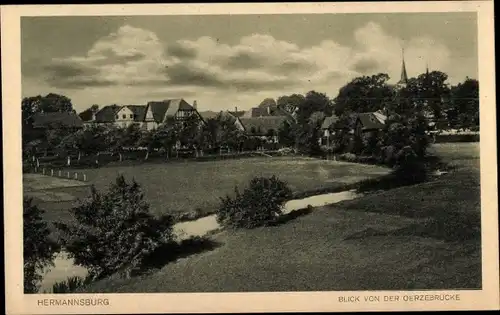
(184, 187)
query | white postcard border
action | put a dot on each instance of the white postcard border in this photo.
(18, 303)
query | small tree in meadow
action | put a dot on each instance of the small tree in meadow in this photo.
(39, 249)
(259, 204)
(115, 231)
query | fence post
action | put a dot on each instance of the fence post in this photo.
(60, 173)
(76, 175)
(84, 177)
(51, 172)
(43, 171)
(68, 174)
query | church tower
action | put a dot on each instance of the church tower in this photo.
(403, 81)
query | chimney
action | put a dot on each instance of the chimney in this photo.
(236, 109)
(195, 105)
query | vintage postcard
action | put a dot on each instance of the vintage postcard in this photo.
(323, 157)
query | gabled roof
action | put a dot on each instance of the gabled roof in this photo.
(86, 115)
(271, 111)
(255, 112)
(138, 110)
(209, 114)
(163, 109)
(107, 113)
(65, 119)
(373, 120)
(158, 108)
(262, 125)
(330, 122)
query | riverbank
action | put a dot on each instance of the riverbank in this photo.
(64, 267)
(416, 220)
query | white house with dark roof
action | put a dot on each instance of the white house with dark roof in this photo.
(120, 116)
(159, 112)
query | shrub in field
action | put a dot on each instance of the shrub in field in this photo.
(115, 231)
(38, 250)
(259, 204)
(409, 167)
(349, 157)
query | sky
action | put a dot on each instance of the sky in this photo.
(228, 61)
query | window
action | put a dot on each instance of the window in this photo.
(116, 116)
(131, 116)
(124, 116)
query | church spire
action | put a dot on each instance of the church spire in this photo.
(404, 75)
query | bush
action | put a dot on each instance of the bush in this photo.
(38, 249)
(70, 285)
(348, 157)
(260, 204)
(115, 231)
(409, 167)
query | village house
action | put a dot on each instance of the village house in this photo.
(230, 115)
(159, 112)
(261, 122)
(148, 116)
(114, 115)
(369, 124)
(330, 127)
(40, 123)
(265, 128)
(88, 116)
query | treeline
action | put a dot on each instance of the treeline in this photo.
(426, 98)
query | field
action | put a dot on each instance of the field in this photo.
(184, 187)
(410, 238)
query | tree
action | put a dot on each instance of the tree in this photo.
(268, 102)
(259, 204)
(314, 102)
(189, 130)
(56, 103)
(402, 131)
(150, 140)
(228, 134)
(428, 92)
(364, 94)
(290, 103)
(166, 136)
(464, 107)
(209, 132)
(30, 106)
(286, 136)
(54, 135)
(116, 140)
(45, 104)
(38, 248)
(115, 231)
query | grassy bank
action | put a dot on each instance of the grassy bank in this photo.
(407, 238)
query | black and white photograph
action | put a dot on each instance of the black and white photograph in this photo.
(240, 153)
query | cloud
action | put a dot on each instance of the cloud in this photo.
(257, 63)
(181, 51)
(366, 65)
